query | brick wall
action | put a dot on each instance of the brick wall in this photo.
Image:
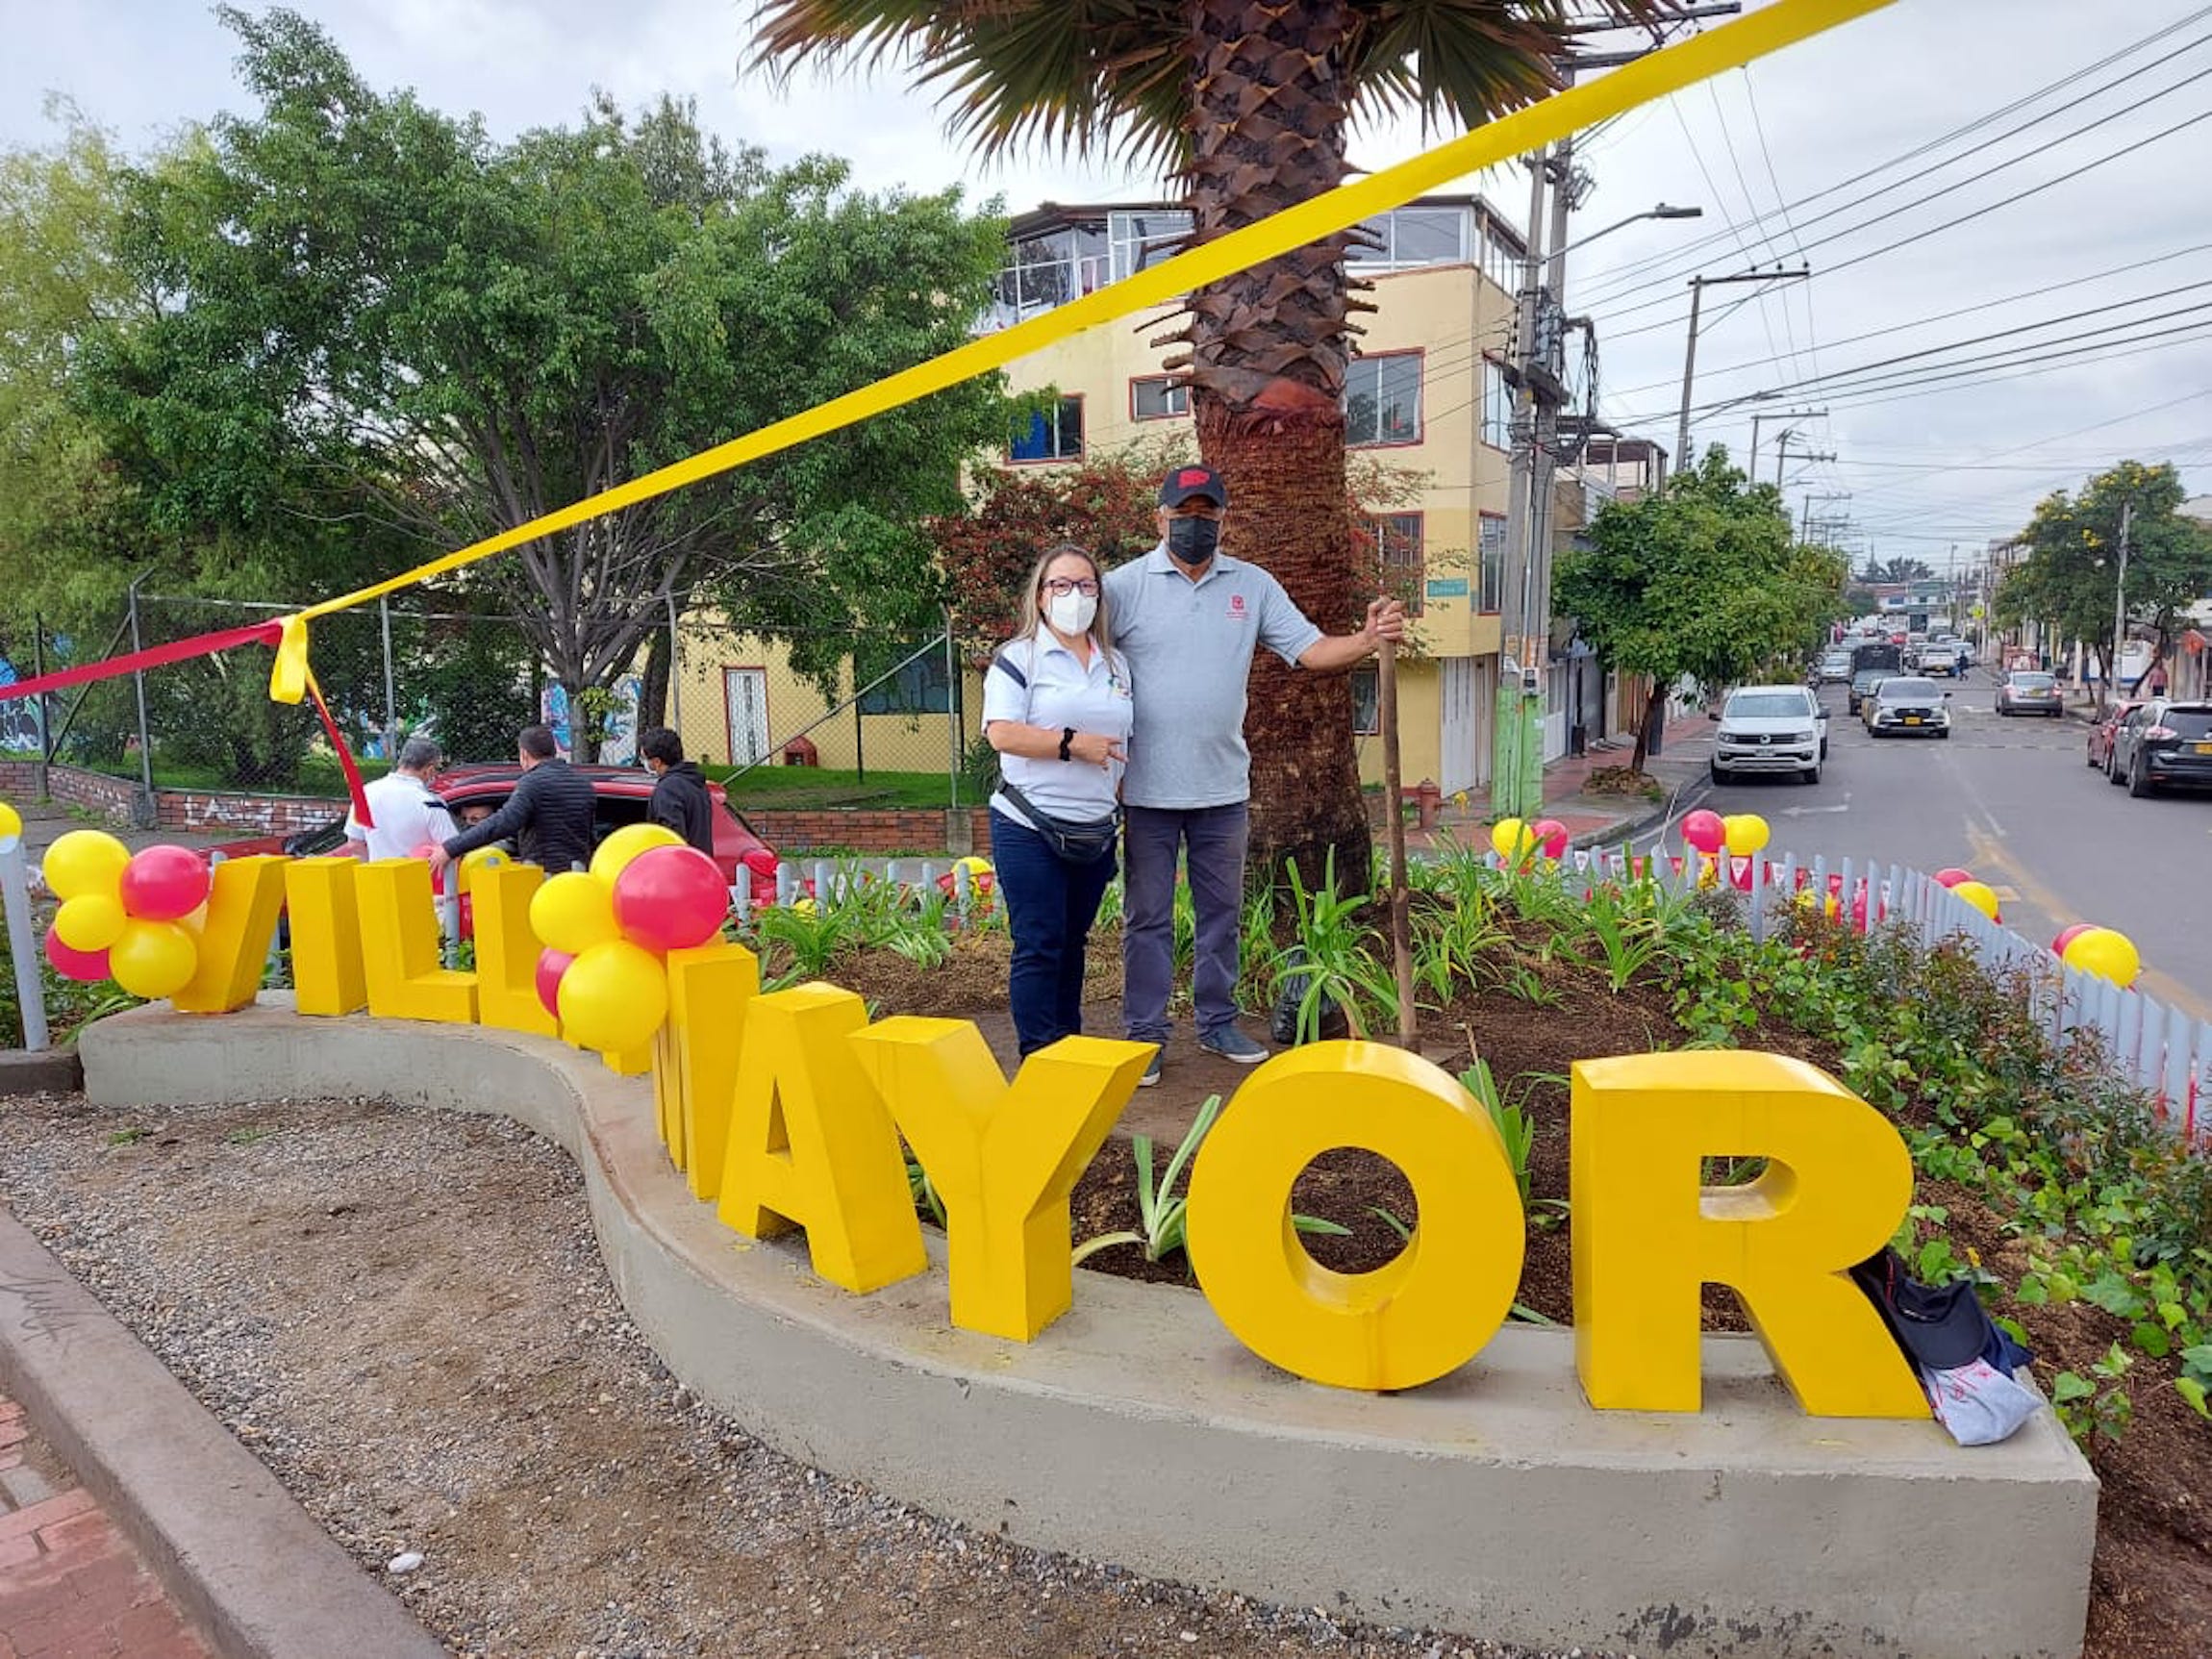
(113, 798)
(863, 830)
(211, 812)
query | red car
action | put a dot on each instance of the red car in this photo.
(2100, 733)
(623, 793)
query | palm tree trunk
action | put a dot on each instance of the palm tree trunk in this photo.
(1267, 365)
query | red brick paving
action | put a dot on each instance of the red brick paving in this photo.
(71, 1586)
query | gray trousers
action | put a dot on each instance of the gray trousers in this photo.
(1214, 839)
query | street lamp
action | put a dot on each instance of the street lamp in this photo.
(1698, 286)
(1661, 212)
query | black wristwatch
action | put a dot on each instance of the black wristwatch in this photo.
(1066, 737)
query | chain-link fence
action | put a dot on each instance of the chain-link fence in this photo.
(817, 724)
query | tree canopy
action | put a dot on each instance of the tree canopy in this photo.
(2071, 575)
(378, 328)
(1704, 581)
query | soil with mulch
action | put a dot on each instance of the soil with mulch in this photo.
(2151, 1589)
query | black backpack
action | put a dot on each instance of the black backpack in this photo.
(1937, 1327)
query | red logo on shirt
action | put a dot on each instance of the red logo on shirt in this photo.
(1236, 607)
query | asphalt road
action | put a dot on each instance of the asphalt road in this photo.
(2013, 800)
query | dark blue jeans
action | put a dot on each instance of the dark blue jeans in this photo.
(1051, 905)
(1213, 840)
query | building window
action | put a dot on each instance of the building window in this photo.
(1397, 550)
(1137, 240)
(1366, 701)
(1057, 436)
(920, 686)
(1158, 398)
(1491, 594)
(1382, 399)
(1500, 259)
(1497, 405)
(1412, 237)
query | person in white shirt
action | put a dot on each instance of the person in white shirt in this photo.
(408, 812)
(1056, 707)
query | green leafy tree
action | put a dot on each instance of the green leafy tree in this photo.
(2071, 576)
(379, 329)
(1248, 103)
(1896, 570)
(1704, 581)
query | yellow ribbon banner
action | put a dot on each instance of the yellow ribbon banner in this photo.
(1731, 46)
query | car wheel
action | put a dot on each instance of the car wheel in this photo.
(2138, 778)
(2112, 767)
(1811, 775)
(1945, 734)
(1823, 748)
(1718, 776)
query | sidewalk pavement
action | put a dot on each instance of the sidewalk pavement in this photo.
(1593, 819)
(70, 1583)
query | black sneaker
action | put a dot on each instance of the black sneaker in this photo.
(1232, 1046)
(1151, 1071)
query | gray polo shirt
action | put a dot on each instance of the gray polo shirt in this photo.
(1189, 648)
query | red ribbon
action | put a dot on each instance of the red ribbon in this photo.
(183, 651)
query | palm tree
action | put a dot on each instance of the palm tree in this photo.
(1246, 103)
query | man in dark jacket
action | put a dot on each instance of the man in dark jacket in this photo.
(680, 800)
(548, 817)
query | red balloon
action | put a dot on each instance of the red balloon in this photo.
(2059, 945)
(670, 897)
(1551, 837)
(165, 883)
(88, 966)
(1953, 876)
(551, 966)
(1703, 830)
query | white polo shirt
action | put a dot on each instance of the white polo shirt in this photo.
(1060, 692)
(408, 813)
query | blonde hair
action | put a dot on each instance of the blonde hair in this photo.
(1032, 614)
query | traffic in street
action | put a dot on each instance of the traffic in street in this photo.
(2015, 799)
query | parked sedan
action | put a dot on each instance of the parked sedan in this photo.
(622, 793)
(1863, 684)
(2030, 691)
(1835, 667)
(2162, 743)
(1908, 705)
(2100, 733)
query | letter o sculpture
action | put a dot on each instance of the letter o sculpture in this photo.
(1421, 1315)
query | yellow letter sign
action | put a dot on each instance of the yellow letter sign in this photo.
(1425, 1313)
(811, 1144)
(1648, 1234)
(1003, 1159)
(234, 942)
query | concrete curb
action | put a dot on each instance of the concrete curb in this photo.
(1139, 1431)
(47, 1071)
(251, 1570)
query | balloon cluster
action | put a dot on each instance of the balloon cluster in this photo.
(1978, 893)
(133, 917)
(606, 929)
(1516, 841)
(2103, 951)
(1740, 833)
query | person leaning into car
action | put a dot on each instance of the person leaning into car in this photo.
(406, 813)
(548, 817)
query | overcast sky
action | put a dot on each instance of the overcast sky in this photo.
(1928, 466)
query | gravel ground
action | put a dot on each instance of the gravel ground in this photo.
(404, 1314)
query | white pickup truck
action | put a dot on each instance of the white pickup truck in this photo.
(1938, 657)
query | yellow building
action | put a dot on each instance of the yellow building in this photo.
(1427, 395)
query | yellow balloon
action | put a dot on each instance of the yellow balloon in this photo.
(617, 850)
(483, 858)
(1746, 833)
(574, 911)
(153, 958)
(614, 996)
(84, 861)
(1979, 894)
(975, 863)
(90, 922)
(1509, 837)
(11, 822)
(2107, 953)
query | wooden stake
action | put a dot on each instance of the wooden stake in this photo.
(1394, 815)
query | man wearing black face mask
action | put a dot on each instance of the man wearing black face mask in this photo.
(1188, 617)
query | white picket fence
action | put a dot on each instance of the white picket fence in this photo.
(2161, 1050)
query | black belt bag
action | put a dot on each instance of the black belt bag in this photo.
(1073, 843)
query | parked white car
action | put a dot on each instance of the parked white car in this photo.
(1770, 729)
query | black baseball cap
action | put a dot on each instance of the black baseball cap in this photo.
(1186, 482)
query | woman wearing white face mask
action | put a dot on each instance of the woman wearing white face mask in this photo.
(1056, 708)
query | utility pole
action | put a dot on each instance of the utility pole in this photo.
(2119, 605)
(1517, 712)
(1698, 286)
(1751, 466)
